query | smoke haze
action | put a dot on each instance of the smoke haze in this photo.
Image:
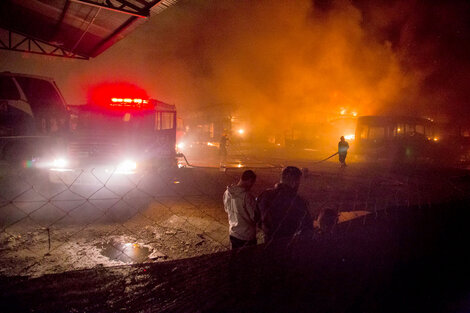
(277, 62)
(286, 62)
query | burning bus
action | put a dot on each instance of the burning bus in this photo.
(397, 138)
(115, 136)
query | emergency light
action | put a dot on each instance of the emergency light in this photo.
(129, 103)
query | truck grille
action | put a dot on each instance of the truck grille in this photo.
(92, 148)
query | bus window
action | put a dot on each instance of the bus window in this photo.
(419, 129)
(409, 129)
(400, 129)
(376, 133)
(429, 132)
(364, 132)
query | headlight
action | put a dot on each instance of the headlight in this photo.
(60, 163)
(126, 167)
(57, 165)
(180, 145)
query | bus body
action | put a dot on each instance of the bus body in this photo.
(399, 138)
(33, 117)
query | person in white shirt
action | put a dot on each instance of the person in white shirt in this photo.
(240, 206)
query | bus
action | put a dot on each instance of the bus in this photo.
(33, 117)
(399, 138)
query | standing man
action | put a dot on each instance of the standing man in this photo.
(223, 149)
(283, 212)
(343, 147)
(240, 206)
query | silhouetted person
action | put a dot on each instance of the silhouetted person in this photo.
(343, 147)
(223, 148)
(240, 206)
(282, 211)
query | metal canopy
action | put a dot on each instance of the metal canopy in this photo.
(71, 28)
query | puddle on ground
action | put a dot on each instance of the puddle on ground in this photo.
(124, 251)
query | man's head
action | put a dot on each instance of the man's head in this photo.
(291, 176)
(342, 138)
(248, 179)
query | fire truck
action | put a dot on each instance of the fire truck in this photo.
(115, 139)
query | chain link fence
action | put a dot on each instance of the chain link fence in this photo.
(53, 222)
(171, 227)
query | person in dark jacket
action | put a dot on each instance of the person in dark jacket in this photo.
(282, 211)
(343, 147)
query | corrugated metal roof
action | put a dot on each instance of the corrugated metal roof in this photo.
(83, 27)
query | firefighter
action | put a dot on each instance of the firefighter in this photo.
(343, 147)
(223, 148)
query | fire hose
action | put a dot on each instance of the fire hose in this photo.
(191, 165)
(181, 155)
(326, 158)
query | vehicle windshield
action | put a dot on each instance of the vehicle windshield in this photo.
(8, 90)
(117, 124)
(125, 123)
(42, 96)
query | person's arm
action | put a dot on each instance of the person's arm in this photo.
(250, 206)
(264, 219)
(225, 200)
(258, 210)
(307, 221)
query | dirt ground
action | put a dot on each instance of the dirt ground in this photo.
(53, 228)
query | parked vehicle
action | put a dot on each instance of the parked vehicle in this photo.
(116, 138)
(34, 121)
(397, 138)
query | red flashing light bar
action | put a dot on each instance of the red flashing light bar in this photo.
(136, 103)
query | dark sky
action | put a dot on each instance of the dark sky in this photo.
(287, 61)
(432, 39)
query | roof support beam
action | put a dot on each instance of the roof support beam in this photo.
(21, 43)
(62, 15)
(114, 34)
(125, 7)
(121, 28)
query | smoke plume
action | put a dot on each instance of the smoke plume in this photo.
(282, 63)
(277, 62)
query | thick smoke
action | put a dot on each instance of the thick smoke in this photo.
(278, 62)
(432, 41)
(281, 63)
